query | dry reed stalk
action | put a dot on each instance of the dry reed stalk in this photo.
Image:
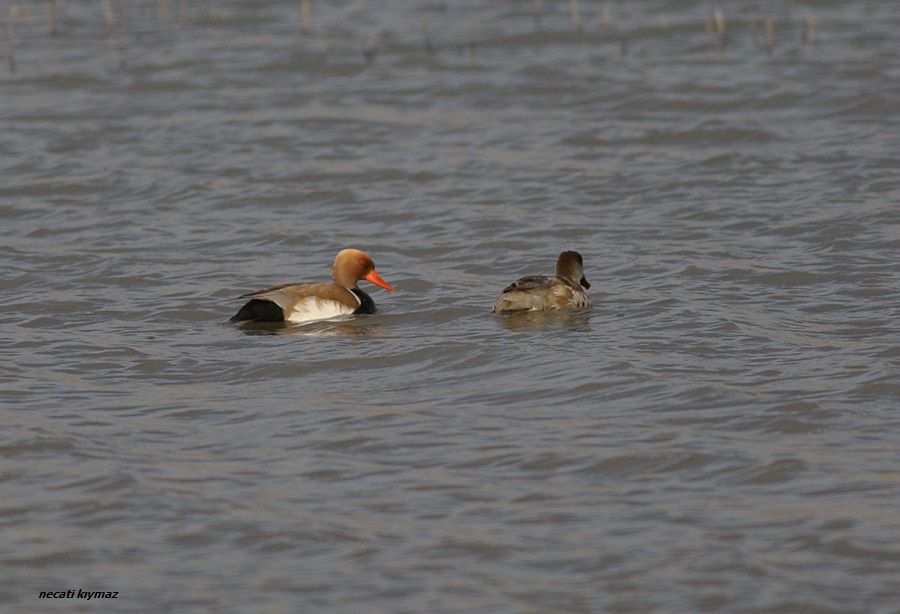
(120, 34)
(369, 50)
(164, 11)
(19, 16)
(716, 28)
(357, 4)
(770, 35)
(51, 19)
(108, 15)
(304, 16)
(430, 49)
(809, 32)
(10, 47)
(576, 14)
(754, 33)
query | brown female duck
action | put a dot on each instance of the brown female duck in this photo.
(539, 293)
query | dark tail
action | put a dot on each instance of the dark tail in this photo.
(257, 310)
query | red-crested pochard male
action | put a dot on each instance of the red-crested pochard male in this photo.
(539, 293)
(309, 301)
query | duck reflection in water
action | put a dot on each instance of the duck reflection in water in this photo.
(572, 321)
(328, 328)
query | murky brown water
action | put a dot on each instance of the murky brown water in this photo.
(718, 434)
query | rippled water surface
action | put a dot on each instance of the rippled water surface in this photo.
(718, 434)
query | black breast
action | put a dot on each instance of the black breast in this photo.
(366, 304)
(257, 310)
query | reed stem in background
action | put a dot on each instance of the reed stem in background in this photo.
(430, 49)
(164, 11)
(120, 34)
(108, 15)
(720, 23)
(716, 28)
(51, 19)
(213, 12)
(809, 32)
(576, 14)
(304, 16)
(21, 16)
(369, 50)
(10, 47)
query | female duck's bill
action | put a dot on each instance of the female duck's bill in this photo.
(539, 293)
(310, 301)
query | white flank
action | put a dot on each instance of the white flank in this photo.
(314, 308)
